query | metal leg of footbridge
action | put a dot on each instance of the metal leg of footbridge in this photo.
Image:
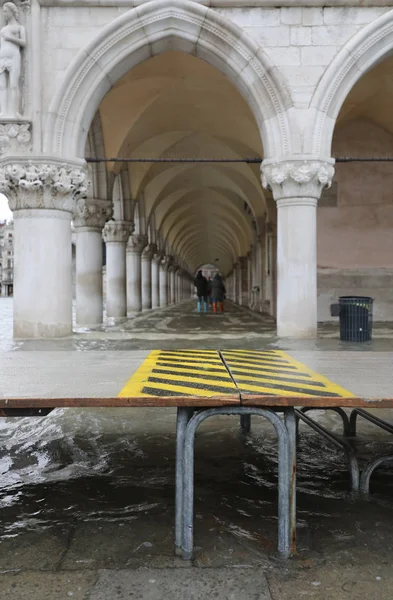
(286, 434)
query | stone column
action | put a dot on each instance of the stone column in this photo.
(297, 186)
(155, 280)
(147, 255)
(115, 235)
(42, 193)
(136, 243)
(243, 276)
(89, 219)
(171, 291)
(164, 266)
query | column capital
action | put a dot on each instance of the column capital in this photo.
(297, 180)
(117, 231)
(157, 257)
(148, 251)
(91, 213)
(136, 243)
(43, 183)
(166, 262)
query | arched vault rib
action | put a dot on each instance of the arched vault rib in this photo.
(193, 202)
(133, 37)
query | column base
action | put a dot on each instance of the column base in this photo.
(30, 330)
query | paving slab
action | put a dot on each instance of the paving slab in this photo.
(182, 584)
(38, 585)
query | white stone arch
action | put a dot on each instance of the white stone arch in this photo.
(151, 29)
(362, 52)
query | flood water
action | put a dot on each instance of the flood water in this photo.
(96, 487)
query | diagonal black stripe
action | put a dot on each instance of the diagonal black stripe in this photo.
(222, 377)
(296, 391)
(264, 371)
(213, 369)
(267, 361)
(197, 361)
(244, 377)
(153, 392)
(193, 384)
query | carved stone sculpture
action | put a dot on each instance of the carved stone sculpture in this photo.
(91, 213)
(297, 178)
(54, 186)
(15, 138)
(148, 251)
(117, 231)
(136, 243)
(12, 40)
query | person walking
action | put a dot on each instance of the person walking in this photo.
(218, 292)
(202, 286)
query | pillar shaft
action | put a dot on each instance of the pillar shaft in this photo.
(155, 281)
(115, 235)
(164, 282)
(42, 274)
(296, 268)
(89, 276)
(147, 256)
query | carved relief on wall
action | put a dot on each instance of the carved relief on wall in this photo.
(15, 138)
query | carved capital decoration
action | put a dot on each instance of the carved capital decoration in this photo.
(157, 258)
(166, 262)
(44, 185)
(136, 243)
(148, 251)
(91, 213)
(117, 231)
(297, 179)
(15, 138)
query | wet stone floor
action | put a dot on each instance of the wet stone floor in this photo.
(87, 498)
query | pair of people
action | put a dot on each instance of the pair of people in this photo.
(215, 289)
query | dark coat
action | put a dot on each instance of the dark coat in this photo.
(218, 290)
(201, 285)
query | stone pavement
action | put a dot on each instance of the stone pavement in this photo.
(87, 496)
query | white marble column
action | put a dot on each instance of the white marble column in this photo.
(116, 234)
(147, 255)
(89, 219)
(42, 193)
(297, 186)
(136, 243)
(171, 286)
(155, 280)
(164, 266)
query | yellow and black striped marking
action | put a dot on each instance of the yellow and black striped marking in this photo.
(181, 373)
(208, 373)
(274, 372)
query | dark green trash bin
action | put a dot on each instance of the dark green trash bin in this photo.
(356, 318)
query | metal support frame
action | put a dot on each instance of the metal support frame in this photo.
(336, 409)
(353, 464)
(368, 471)
(245, 423)
(183, 417)
(286, 434)
(369, 417)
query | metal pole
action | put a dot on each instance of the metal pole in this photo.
(291, 425)
(183, 417)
